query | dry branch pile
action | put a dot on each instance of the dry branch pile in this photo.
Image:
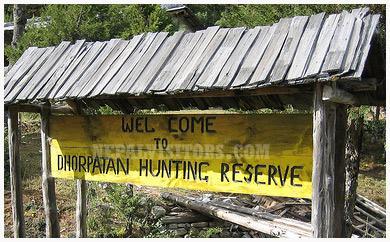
(279, 217)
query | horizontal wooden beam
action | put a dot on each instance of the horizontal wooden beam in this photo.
(36, 108)
(218, 93)
(336, 95)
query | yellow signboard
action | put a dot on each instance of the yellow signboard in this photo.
(239, 153)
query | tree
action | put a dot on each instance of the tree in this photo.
(353, 149)
(91, 22)
(20, 20)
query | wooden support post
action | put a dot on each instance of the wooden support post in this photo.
(48, 184)
(81, 209)
(329, 126)
(15, 174)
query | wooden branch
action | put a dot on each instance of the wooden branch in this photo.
(369, 224)
(81, 209)
(263, 215)
(279, 227)
(329, 125)
(336, 95)
(48, 184)
(364, 233)
(15, 174)
(378, 221)
(370, 205)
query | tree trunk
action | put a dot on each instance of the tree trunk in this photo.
(20, 21)
(352, 161)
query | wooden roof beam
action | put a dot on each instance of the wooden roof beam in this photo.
(36, 108)
(336, 95)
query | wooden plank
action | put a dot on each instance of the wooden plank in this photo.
(360, 12)
(143, 62)
(366, 46)
(322, 45)
(81, 209)
(104, 67)
(15, 175)
(329, 121)
(11, 93)
(52, 64)
(63, 82)
(129, 65)
(71, 56)
(183, 77)
(211, 72)
(201, 63)
(165, 77)
(291, 151)
(24, 67)
(354, 41)
(158, 62)
(339, 45)
(48, 183)
(93, 68)
(77, 70)
(267, 61)
(363, 35)
(119, 62)
(289, 49)
(234, 62)
(23, 60)
(305, 47)
(254, 56)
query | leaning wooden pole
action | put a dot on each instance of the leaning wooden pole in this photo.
(329, 125)
(48, 184)
(81, 209)
(15, 174)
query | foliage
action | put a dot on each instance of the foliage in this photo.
(31, 11)
(116, 212)
(208, 14)
(93, 23)
(374, 140)
(210, 232)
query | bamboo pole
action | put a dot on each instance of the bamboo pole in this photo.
(15, 175)
(48, 184)
(81, 209)
(329, 125)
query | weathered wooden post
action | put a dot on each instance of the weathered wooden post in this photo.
(15, 174)
(81, 209)
(329, 124)
(48, 184)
